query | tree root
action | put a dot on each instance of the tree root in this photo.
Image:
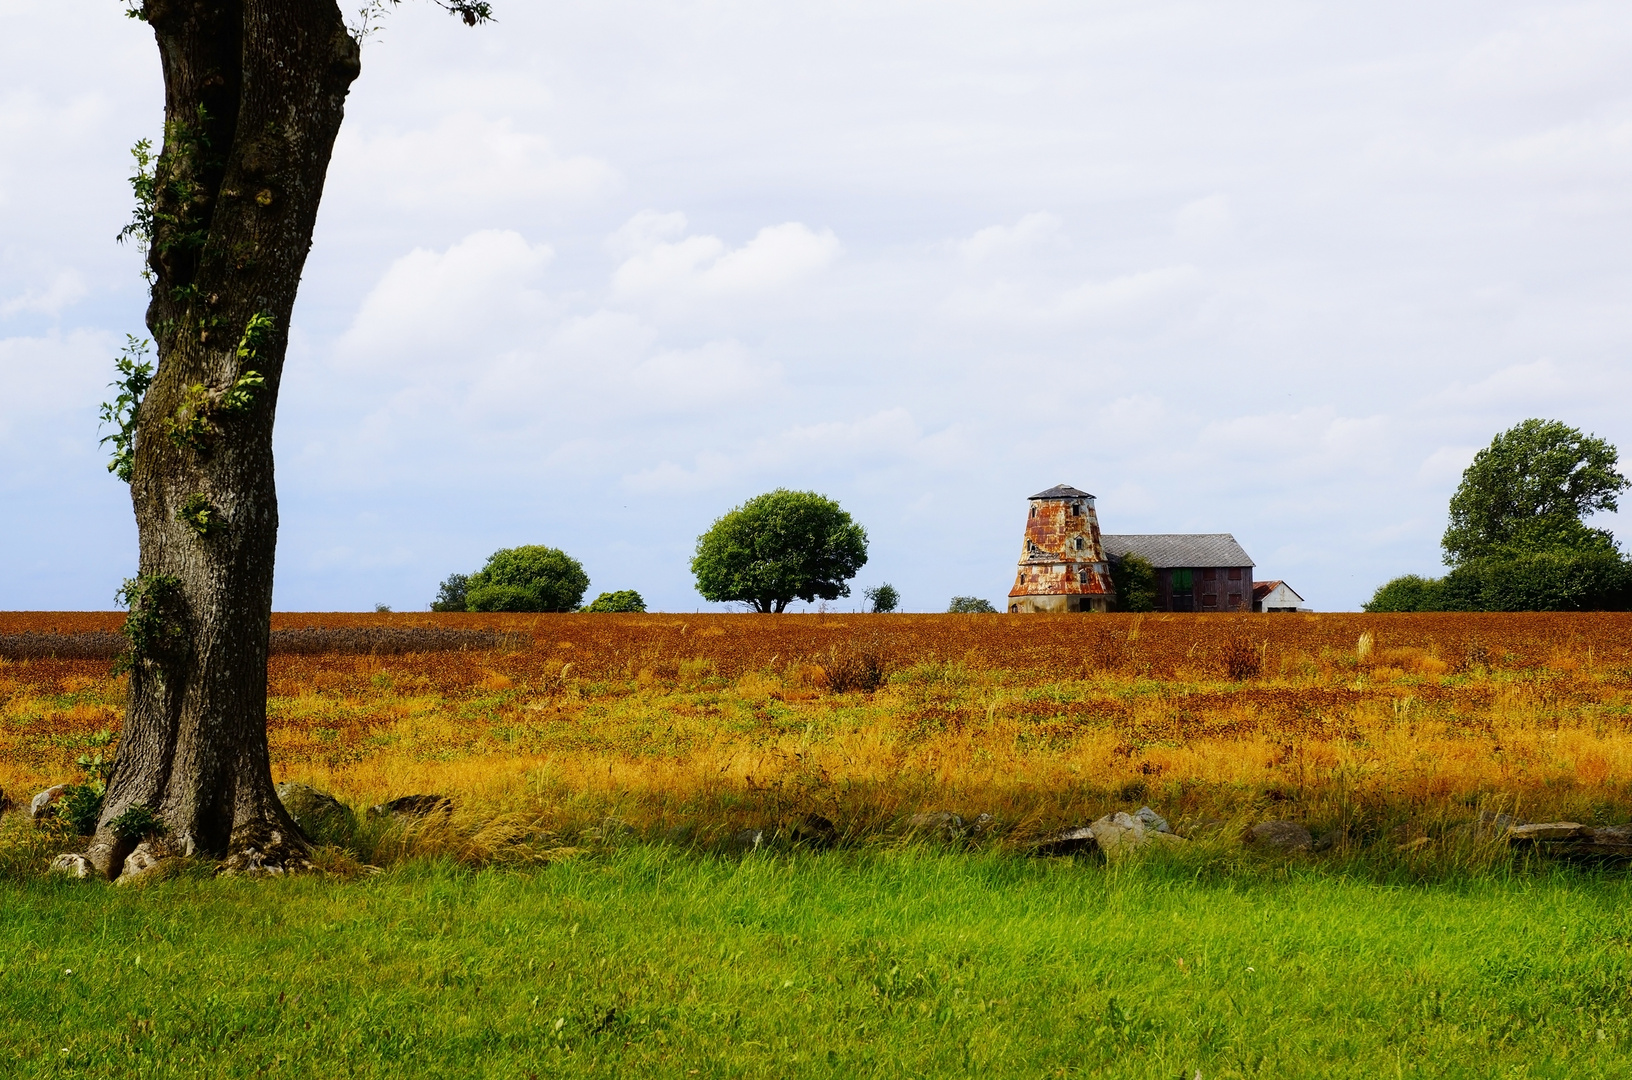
(262, 849)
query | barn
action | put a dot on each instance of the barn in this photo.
(1194, 571)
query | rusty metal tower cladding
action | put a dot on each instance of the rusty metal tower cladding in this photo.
(1063, 567)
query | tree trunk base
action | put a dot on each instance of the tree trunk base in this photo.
(265, 849)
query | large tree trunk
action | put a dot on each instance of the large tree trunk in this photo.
(254, 92)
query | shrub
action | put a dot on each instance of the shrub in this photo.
(624, 600)
(1242, 660)
(856, 664)
(1408, 593)
(81, 805)
(970, 605)
(502, 598)
(135, 823)
(1558, 580)
(530, 578)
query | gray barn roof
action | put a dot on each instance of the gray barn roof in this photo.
(1165, 550)
(1062, 491)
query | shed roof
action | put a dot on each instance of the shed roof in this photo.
(1165, 550)
(1261, 589)
(1062, 491)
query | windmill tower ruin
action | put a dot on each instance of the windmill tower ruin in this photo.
(1063, 566)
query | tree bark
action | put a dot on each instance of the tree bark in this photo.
(254, 95)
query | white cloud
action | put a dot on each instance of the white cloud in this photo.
(995, 241)
(701, 267)
(431, 311)
(66, 288)
(1204, 220)
(1443, 468)
(463, 158)
(1142, 295)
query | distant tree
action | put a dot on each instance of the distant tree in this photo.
(624, 600)
(1408, 593)
(780, 547)
(1528, 490)
(970, 605)
(382, 609)
(883, 598)
(530, 578)
(1516, 541)
(453, 594)
(1134, 579)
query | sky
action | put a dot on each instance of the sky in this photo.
(594, 274)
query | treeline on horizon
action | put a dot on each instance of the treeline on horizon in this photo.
(1516, 540)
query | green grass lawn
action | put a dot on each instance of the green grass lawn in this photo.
(651, 961)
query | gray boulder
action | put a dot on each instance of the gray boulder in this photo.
(746, 840)
(412, 806)
(1549, 830)
(941, 825)
(814, 831)
(43, 806)
(152, 860)
(1279, 836)
(73, 865)
(1119, 831)
(313, 810)
(1152, 820)
(1077, 841)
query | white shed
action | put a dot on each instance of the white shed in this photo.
(1275, 596)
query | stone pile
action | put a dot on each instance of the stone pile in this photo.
(1571, 840)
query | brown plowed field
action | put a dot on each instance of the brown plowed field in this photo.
(672, 720)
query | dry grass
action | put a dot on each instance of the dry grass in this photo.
(695, 726)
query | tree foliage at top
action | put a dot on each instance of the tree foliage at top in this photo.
(1529, 489)
(780, 547)
(970, 605)
(528, 578)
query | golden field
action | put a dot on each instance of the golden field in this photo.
(695, 725)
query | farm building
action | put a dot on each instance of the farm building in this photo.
(1063, 565)
(1194, 571)
(1275, 596)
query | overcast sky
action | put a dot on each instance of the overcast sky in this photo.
(594, 274)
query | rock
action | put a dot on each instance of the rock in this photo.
(152, 860)
(983, 823)
(313, 810)
(413, 806)
(1326, 841)
(1279, 836)
(1152, 820)
(1118, 830)
(747, 840)
(940, 825)
(814, 831)
(73, 865)
(43, 806)
(1077, 841)
(1549, 830)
